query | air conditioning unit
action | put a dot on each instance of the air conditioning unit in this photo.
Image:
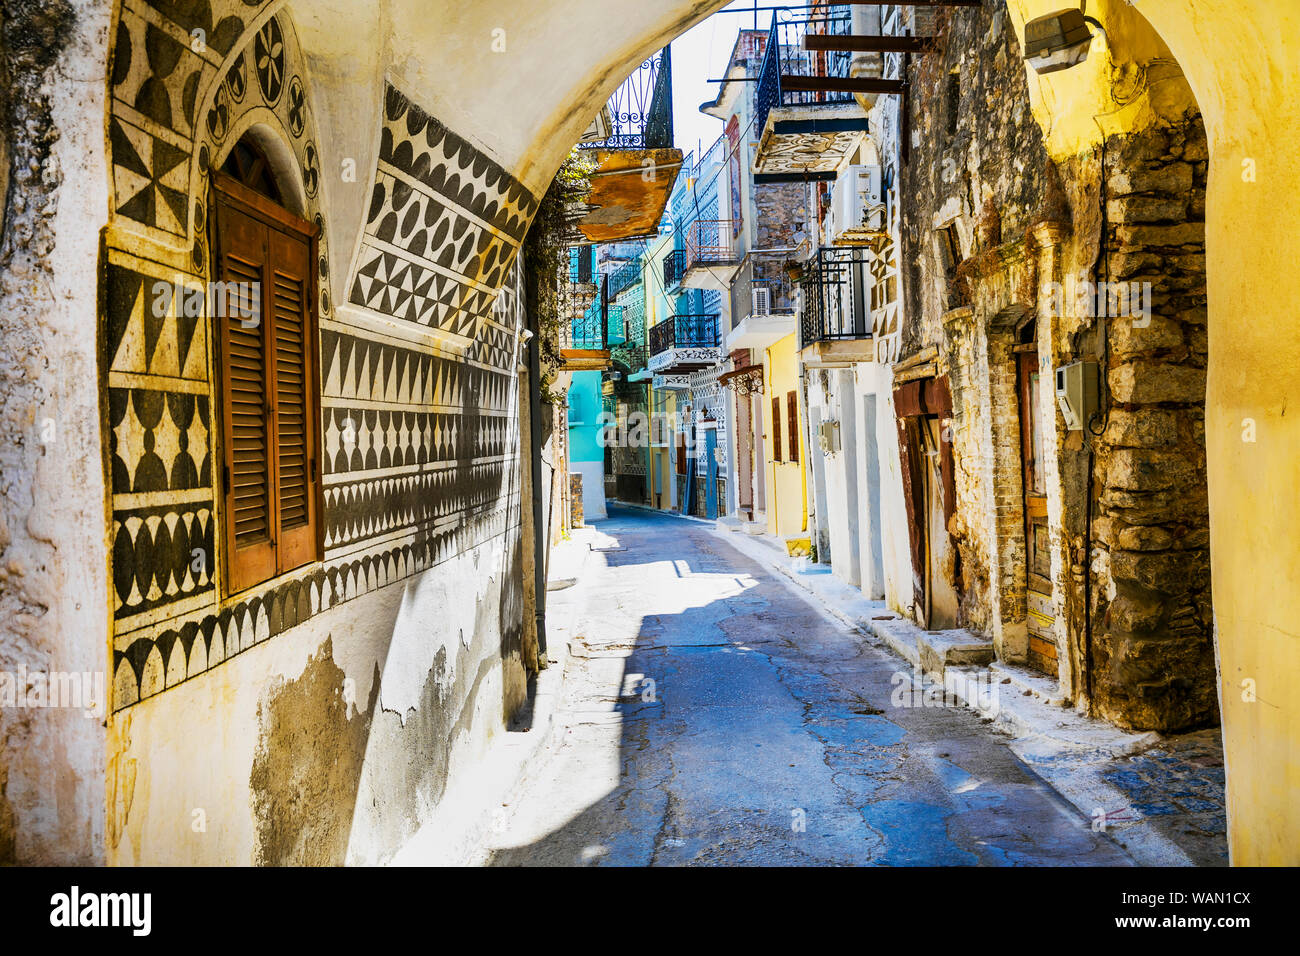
(857, 206)
(761, 300)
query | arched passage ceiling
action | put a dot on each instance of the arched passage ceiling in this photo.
(523, 96)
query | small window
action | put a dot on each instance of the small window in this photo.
(269, 381)
(954, 101)
(950, 248)
(776, 429)
(792, 420)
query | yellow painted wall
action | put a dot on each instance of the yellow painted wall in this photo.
(787, 504)
(1241, 59)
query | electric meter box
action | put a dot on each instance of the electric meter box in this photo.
(1077, 388)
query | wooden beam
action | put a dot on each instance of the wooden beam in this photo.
(866, 44)
(840, 84)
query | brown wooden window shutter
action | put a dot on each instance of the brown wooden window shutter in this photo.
(776, 429)
(269, 380)
(792, 418)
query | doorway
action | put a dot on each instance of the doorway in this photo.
(1042, 654)
(941, 601)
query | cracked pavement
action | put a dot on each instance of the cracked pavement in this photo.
(712, 715)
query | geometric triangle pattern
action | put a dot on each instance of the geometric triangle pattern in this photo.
(149, 330)
(155, 657)
(444, 226)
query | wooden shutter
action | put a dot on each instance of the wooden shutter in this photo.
(269, 390)
(776, 429)
(247, 478)
(792, 420)
(295, 449)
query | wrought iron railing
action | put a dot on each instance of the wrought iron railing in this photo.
(624, 277)
(708, 242)
(684, 331)
(641, 109)
(836, 297)
(762, 286)
(583, 329)
(674, 266)
(784, 55)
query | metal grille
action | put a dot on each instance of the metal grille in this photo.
(709, 241)
(641, 109)
(784, 55)
(674, 266)
(836, 297)
(684, 331)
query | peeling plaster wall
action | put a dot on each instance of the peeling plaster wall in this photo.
(377, 670)
(52, 548)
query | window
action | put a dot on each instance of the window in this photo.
(266, 357)
(776, 429)
(792, 418)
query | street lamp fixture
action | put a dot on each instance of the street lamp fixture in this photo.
(1058, 41)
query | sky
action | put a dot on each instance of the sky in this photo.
(701, 54)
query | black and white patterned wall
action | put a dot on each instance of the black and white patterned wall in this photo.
(419, 429)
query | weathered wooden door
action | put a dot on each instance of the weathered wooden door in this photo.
(941, 600)
(1038, 554)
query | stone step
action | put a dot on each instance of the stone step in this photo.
(1028, 683)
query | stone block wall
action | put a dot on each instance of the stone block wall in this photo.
(1154, 661)
(996, 234)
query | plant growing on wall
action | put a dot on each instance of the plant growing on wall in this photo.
(546, 259)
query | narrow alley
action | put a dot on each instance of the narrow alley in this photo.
(711, 715)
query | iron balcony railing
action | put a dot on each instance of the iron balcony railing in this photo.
(761, 287)
(674, 266)
(836, 297)
(624, 277)
(784, 55)
(684, 331)
(641, 109)
(709, 242)
(585, 330)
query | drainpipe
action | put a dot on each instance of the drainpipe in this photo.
(535, 439)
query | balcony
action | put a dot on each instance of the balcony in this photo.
(624, 277)
(835, 327)
(625, 202)
(674, 266)
(583, 338)
(762, 304)
(710, 257)
(684, 343)
(808, 118)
